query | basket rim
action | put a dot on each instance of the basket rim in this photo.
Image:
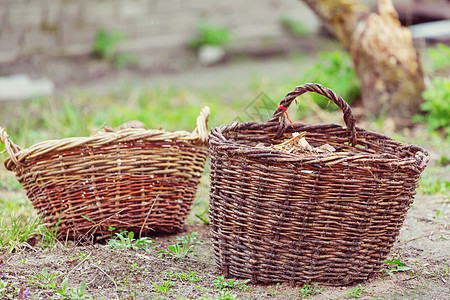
(104, 138)
(217, 139)
(400, 153)
(17, 154)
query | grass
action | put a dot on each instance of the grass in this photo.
(9, 183)
(16, 230)
(434, 185)
(15, 202)
(163, 288)
(169, 109)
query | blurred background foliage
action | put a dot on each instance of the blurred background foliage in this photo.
(173, 108)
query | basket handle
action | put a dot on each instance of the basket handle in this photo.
(11, 148)
(349, 119)
(202, 124)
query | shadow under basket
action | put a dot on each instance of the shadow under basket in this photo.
(329, 218)
(135, 179)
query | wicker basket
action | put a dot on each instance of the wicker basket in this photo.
(135, 179)
(326, 218)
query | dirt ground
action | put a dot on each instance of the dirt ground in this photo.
(423, 245)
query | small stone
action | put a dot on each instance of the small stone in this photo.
(209, 55)
(21, 87)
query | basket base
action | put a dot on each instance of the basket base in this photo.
(265, 267)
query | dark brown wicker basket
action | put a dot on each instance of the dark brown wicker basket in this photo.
(135, 179)
(327, 218)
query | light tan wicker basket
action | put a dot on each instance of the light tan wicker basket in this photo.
(134, 179)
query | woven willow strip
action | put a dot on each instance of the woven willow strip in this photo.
(135, 179)
(330, 218)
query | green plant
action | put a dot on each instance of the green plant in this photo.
(162, 288)
(44, 280)
(125, 282)
(7, 289)
(221, 283)
(10, 290)
(105, 47)
(178, 251)
(440, 57)
(294, 26)
(210, 35)
(190, 276)
(227, 295)
(357, 291)
(436, 105)
(443, 276)
(443, 161)
(128, 284)
(274, 291)
(48, 237)
(134, 269)
(105, 43)
(203, 216)
(200, 208)
(189, 239)
(335, 70)
(433, 185)
(309, 290)
(62, 291)
(182, 248)
(126, 240)
(65, 293)
(398, 266)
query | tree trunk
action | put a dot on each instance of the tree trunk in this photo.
(383, 55)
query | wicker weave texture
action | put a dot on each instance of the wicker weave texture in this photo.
(135, 179)
(328, 218)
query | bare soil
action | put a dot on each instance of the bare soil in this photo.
(423, 245)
